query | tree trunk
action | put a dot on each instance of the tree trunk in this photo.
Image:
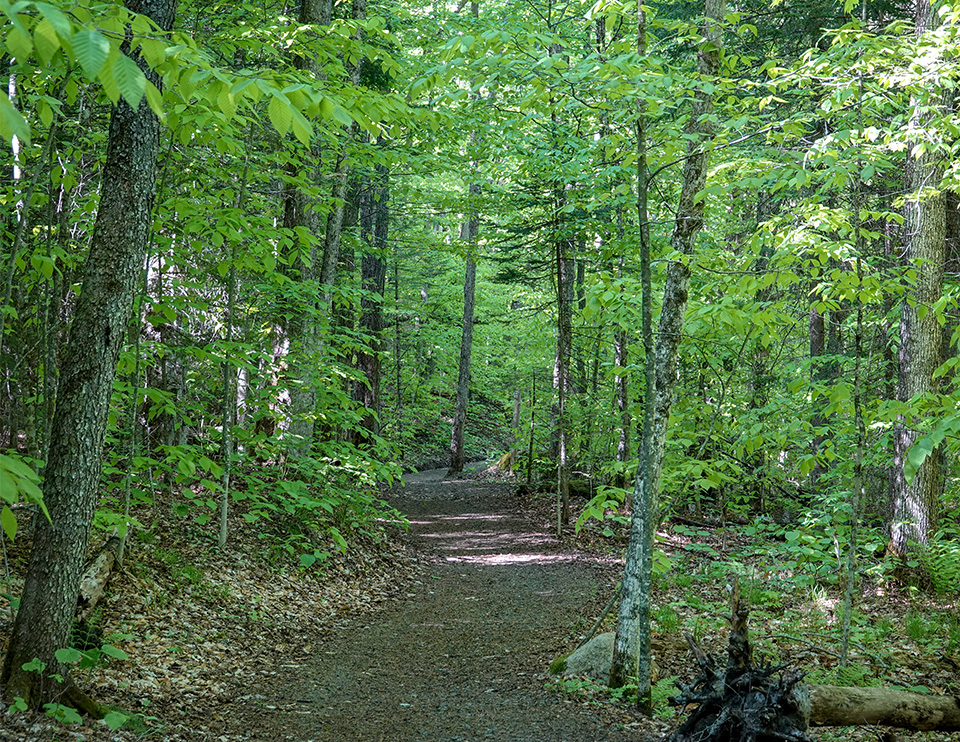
(469, 233)
(915, 504)
(631, 650)
(72, 475)
(300, 212)
(374, 228)
(561, 377)
(463, 379)
(632, 647)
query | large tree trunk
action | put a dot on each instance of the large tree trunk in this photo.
(632, 648)
(915, 504)
(72, 475)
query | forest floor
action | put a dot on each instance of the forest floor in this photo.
(440, 633)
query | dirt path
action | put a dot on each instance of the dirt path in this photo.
(463, 658)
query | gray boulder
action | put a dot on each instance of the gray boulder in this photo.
(593, 659)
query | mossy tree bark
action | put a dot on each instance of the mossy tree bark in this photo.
(72, 475)
(632, 648)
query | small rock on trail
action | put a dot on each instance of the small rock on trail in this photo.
(464, 658)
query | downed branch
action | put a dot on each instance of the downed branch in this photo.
(96, 575)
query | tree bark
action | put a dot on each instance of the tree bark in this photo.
(631, 650)
(562, 377)
(457, 455)
(632, 646)
(915, 505)
(834, 706)
(96, 576)
(72, 476)
(374, 228)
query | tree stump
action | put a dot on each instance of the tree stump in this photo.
(757, 703)
(744, 702)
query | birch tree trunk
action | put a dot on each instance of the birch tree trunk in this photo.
(914, 505)
(72, 476)
(632, 646)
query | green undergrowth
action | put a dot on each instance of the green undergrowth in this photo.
(593, 692)
(793, 576)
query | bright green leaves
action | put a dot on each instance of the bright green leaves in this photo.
(281, 113)
(90, 49)
(89, 39)
(17, 481)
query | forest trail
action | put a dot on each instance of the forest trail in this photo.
(463, 658)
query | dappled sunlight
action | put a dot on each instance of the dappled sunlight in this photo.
(486, 539)
(507, 559)
(473, 516)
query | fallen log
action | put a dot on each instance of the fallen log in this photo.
(757, 703)
(96, 576)
(835, 706)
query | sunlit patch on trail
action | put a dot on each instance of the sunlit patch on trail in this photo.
(503, 559)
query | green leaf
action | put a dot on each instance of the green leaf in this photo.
(68, 655)
(281, 113)
(154, 51)
(115, 720)
(115, 652)
(130, 80)
(90, 49)
(9, 522)
(44, 112)
(340, 114)
(155, 101)
(55, 17)
(226, 103)
(12, 123)
(19, 44)
(302, 129)
(45, 40)
(308, 560)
